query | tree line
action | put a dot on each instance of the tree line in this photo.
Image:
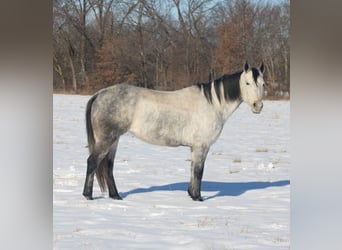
(167, 44)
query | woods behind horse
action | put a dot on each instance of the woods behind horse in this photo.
(193, 116)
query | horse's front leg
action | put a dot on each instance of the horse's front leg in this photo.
(198, 156)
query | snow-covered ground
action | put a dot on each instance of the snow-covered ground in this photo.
(246, 187)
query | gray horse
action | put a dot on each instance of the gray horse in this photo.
(192, 116)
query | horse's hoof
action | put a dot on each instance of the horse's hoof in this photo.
(197, 199)
(88, 197)
(116, 197)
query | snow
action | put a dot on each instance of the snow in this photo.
(246, 187)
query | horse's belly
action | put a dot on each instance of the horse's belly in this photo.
(176, 135)
(159, 124)
(156, 137)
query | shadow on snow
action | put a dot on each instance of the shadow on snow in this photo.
(222, 188)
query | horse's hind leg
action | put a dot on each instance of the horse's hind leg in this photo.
(198, 156)
(113, 192)
(92, 164)
(101, 162)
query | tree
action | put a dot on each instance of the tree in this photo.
(166, 44)
(64, 52)
(254, 32)
(236, 37)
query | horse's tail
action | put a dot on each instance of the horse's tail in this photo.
(102, 176)
(101, 172)
(89, 126)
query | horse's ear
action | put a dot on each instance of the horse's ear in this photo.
(262, 68)
(246, 67)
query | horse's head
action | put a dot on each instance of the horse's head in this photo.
(252, 87)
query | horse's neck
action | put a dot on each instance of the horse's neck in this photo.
(228, 108)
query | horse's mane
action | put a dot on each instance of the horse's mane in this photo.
(231, 87)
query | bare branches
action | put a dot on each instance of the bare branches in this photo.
(166, 44)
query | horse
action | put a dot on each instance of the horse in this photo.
(193, 117)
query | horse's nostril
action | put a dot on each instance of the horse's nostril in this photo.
(258, 105)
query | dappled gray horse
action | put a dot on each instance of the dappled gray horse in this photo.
(192, 116)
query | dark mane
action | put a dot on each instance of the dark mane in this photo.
(255, 74)
(231, 88)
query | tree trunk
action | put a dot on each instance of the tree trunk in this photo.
(59, 71)
(83, 58)
(73, 75)
(286, 70)
(141, 46)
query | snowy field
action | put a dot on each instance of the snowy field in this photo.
(246, 187)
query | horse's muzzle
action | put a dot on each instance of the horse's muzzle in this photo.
(257, 107)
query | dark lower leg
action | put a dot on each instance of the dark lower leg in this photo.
(194, 189)
(88, 185)
(198, 156)
(113, 192)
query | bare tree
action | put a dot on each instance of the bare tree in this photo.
(102, 11)
(254, 32)
(166, 44)
(64, 52)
